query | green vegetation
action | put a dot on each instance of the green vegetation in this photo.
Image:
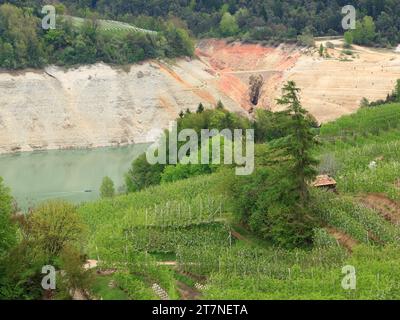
(50, 235)
(274, 201)
(268, 235)
(118, 32)
(265, 20)
(7, 229)
(107, 189)
(23, 43)
(228, 25)
(142, 175)
(101, 289)
(365, 122)
(365, 32)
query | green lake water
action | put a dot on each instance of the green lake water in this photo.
(73, 175)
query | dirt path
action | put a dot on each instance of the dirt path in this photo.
(342, 238)
(387, 208)
(79, 294)
(187, 293)
(240, 237)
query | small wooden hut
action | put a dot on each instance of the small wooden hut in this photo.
(326, 182)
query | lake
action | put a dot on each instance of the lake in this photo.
(73, 175)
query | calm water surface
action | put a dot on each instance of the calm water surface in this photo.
(73, 175)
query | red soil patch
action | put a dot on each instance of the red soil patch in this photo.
(388, 208)
(234, 88)
(343, 239)
(226, 57)
(173, 74)
(167, 106)
(236, 62)
(205, 95)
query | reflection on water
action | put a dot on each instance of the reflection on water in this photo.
(73, 175)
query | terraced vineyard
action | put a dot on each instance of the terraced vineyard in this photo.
(183, 231)
(111, 26)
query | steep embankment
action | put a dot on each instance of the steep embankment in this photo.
(331, 86)
(98, 105)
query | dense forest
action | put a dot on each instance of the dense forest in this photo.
(24, 44)
(252, 19)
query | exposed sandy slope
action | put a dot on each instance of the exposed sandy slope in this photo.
(330, 87)
(99, 105)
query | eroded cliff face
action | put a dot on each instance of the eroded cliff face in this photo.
(330, 86)
(99, 105)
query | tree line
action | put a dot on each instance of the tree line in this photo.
(24, 44)
(265, 20)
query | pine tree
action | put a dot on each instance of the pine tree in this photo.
(321, 50)
(200, 108)
(293, 153)
(220, 105)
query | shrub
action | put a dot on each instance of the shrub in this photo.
(107, 189)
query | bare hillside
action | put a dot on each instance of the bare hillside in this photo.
(331, 86)
(99, 105)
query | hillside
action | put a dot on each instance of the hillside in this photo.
(331, 86)
(101, 105)
(195, 240)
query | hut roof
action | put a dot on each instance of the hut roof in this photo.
(323, 181)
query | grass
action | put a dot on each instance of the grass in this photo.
(102, 290)
(185, 279)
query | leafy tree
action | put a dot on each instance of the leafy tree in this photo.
(365, 31)
(18, 28)
(75, 277)
(107, 189)
(348, 39)
(52, 226)
(46, 232)
(306, 39)
(178, 41)
(142, 174)
(270, 125)
(180, 171)
(228, 25)
(7, 227)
